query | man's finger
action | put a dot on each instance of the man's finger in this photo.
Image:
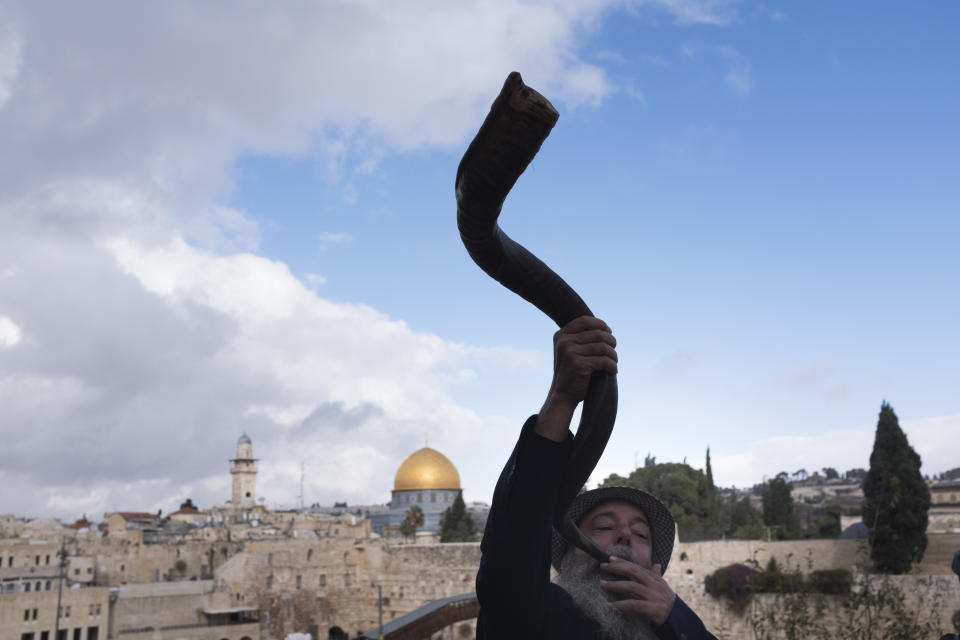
(621, 567)
(585, 323)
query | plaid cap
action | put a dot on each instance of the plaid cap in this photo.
(662, 526)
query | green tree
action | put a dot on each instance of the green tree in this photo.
(746, 522)
(685, 491)
(778, 509)
(951, 474)
(828, 525)
(456, 525)
(855, 474)
(830, 473)
(895, 498)
(411, 521)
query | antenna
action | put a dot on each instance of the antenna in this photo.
(301, 485)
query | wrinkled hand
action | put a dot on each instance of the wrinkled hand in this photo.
(646, 591)
(585, 345)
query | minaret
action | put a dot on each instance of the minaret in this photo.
(243, 468)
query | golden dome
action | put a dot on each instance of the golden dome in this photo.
(426, 469)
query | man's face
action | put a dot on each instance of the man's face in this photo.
(619, 524)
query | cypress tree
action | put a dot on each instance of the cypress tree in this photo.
(456, 525)
(778, 509)
(895, 498)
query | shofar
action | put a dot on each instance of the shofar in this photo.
(520, 119)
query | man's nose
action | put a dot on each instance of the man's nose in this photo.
(624, 536)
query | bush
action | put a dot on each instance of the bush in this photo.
(776, 582)
(832, 582)
(731, 584)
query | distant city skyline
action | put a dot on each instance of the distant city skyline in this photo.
(226, 218)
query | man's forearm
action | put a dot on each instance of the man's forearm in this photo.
(553, 422)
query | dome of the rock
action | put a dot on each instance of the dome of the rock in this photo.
(426, 469)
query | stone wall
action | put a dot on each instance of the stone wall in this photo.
(322, 583)
(314, 584)
(920, 593)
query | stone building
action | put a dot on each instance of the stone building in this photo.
(944, 507)
(426, 479)
(243, 468)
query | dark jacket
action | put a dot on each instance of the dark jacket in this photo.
(517, 599)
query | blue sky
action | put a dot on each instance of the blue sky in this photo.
(241, 218)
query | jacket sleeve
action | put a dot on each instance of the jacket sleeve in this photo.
(683, 624)
(514, 573)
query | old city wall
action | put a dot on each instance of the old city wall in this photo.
(919, 594)
(170, 603)
(324, 583)
(692, 562)
(126, 560)
(701, 558)
(315, 585)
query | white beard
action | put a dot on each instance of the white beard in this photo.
(579, 576)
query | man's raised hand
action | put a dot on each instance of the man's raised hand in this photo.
(585, 345)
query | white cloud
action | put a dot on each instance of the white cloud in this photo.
(739, 81)
(844, 449)
(330, 237)
(315, 280)
(10, 61)
(10, 333)
(156, 333)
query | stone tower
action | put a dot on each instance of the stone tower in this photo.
(243, 468)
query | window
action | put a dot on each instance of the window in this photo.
(47, 561)
(77, 633)
(47, 586)
(346, 580)
(433, 497)
(91, 611)
(97, 610)
(299, 581)
(309, 554)
(76, 572)
(156, 575)
(26, 636)
(37, 561)
(26, 586)
(26, 615)
(269, 582)
(66, 611)
(122, 567)
(34, 616)
(93, 633)
(89, 570)
(323, 579)
(44, 635)
(38, 585)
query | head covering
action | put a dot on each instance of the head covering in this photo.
(662, 526)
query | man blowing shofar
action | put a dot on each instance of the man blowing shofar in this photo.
(623, 598)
